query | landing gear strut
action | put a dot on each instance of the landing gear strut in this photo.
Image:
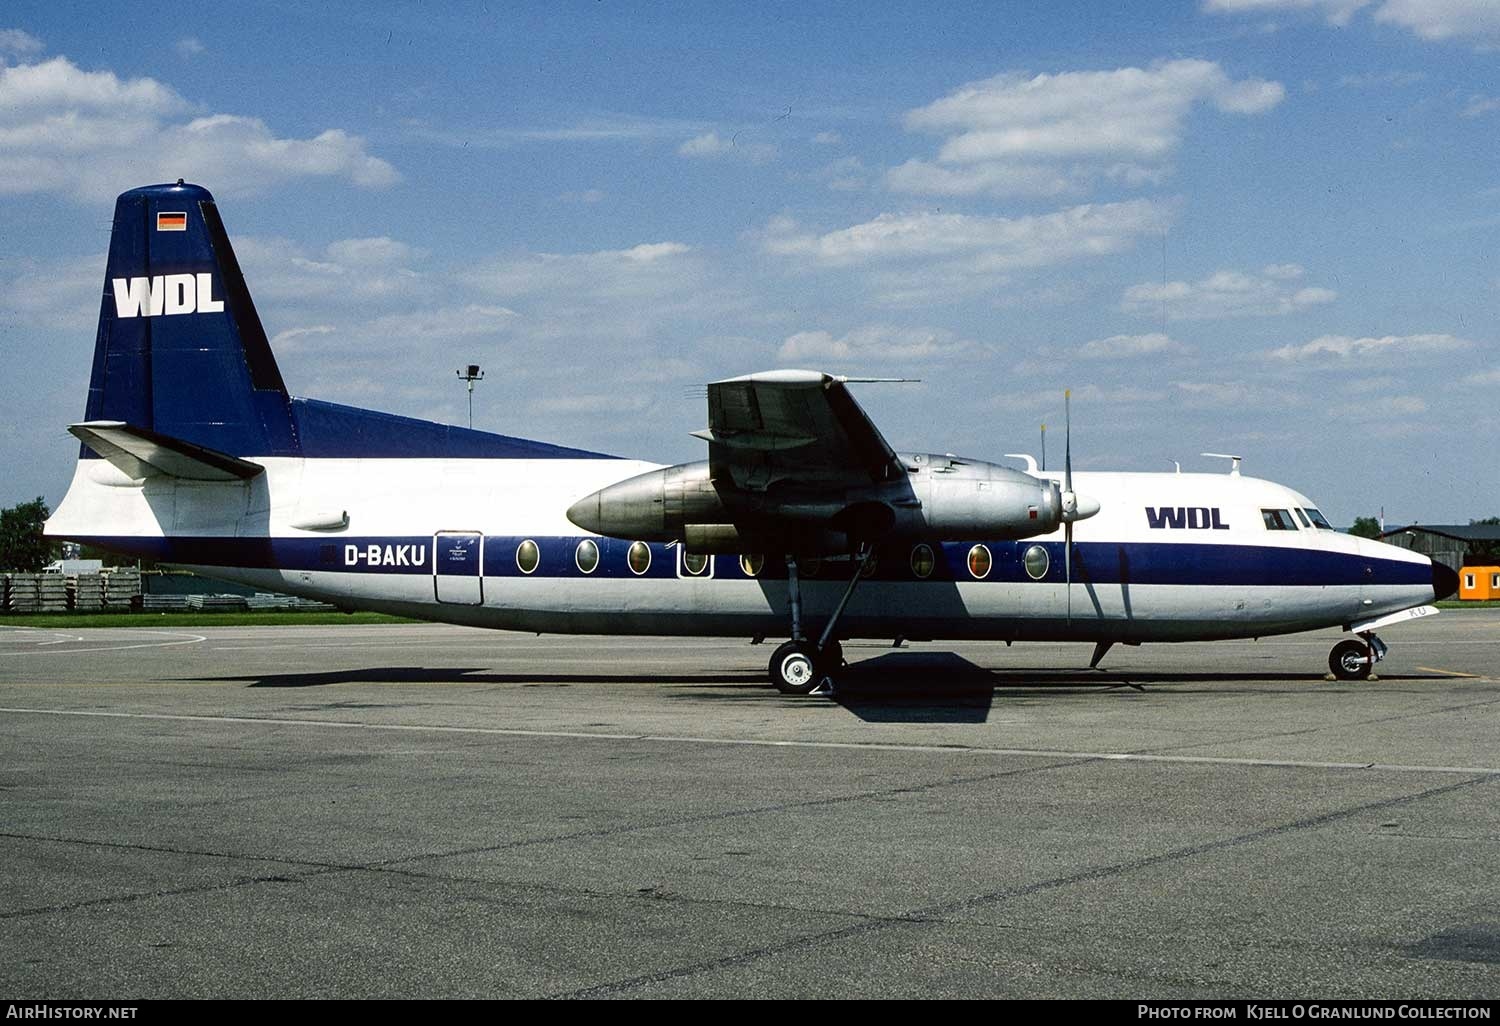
(1354, 660)
(802, 667)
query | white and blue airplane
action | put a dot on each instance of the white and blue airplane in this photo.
(803, 523)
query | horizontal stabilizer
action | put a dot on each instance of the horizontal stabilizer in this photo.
(141, 453)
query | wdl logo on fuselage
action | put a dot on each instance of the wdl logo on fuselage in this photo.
(1185, 518)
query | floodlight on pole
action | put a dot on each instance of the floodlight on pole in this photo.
(471, 374)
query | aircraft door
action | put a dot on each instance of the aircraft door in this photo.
(457, 574)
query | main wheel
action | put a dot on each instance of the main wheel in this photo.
(794, 668)
(1350, 660)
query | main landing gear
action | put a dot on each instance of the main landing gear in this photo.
(1354, 660)
(803, 667)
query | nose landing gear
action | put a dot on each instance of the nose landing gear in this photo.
(1355, 660)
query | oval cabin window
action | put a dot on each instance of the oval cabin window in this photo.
(586, 556)
(639, 557)
(528, 556)
(1037, 562)
(923, 561)
(979, 562)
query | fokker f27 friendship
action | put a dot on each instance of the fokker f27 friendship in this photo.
(802, 523)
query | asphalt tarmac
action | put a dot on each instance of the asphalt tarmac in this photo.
(384, 811)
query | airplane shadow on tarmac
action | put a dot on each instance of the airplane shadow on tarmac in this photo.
(895, 687)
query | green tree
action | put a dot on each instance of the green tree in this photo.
(1365, 527)
(22, 546)
(1484, 553)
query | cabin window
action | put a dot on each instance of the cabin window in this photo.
(1036, 561)
(923, 561)
(979, 562)
(639, 557)
(528, 556)
(1317, 519)
(1468, 582)
(1278, 520)
(1302, 517)
(810, 566)
(586, 556)
(751, 564)
(694, 564)
(1495, 580)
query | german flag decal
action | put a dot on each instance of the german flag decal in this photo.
(170, 222)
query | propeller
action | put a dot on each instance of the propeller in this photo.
(1074, 506)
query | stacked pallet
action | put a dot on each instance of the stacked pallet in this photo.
(122, 588)
(85, 592)
(163, 603)
(37, 593)
(217, 603)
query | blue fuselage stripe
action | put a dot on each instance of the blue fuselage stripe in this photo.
(1135, 563)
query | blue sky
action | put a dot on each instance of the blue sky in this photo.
(1266, 227)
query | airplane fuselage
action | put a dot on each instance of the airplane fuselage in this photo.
(1171, 557)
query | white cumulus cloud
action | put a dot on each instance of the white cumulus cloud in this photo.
(1053, 133)
(1339, 348)
(872, 342)
(1274, 291)
(1338, 12)
(1121, 347)
(92, 134)
(1477, 20)
(19, 43)
(710, 145)
(992, 243)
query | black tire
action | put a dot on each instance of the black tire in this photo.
(794, 668)
(1350, 660)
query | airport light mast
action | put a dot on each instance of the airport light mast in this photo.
(471, 374)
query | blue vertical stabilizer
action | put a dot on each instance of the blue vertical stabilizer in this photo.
(181, 350)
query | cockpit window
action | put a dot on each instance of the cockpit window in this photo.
(1317, 519)
(1302, 517)
(1278, 520)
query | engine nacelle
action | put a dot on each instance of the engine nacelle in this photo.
(652, 506)
(970, 500)
(940, 497)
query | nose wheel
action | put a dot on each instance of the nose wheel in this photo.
(1355, 660)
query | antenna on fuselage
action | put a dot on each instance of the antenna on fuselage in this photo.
(1234, 461)
(1175, 464)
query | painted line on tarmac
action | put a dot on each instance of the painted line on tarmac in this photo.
(186, 639)
(1030, 753)
(1450, 673)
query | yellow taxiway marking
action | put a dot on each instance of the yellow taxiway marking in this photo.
(1450, 673)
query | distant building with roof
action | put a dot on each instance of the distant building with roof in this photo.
(1447, 543)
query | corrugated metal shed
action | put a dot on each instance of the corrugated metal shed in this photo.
(1445, 543)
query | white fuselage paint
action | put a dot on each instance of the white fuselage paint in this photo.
(397, 507)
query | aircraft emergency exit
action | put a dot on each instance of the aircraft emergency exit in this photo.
(803, 522)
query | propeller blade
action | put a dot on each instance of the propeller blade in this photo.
(1068, 439)
(1072, 499)
(1068, 566)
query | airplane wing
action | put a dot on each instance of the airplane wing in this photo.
(795, 427)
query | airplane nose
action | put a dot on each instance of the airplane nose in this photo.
(1444, 581)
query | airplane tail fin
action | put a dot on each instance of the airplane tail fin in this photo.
(181, 351)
